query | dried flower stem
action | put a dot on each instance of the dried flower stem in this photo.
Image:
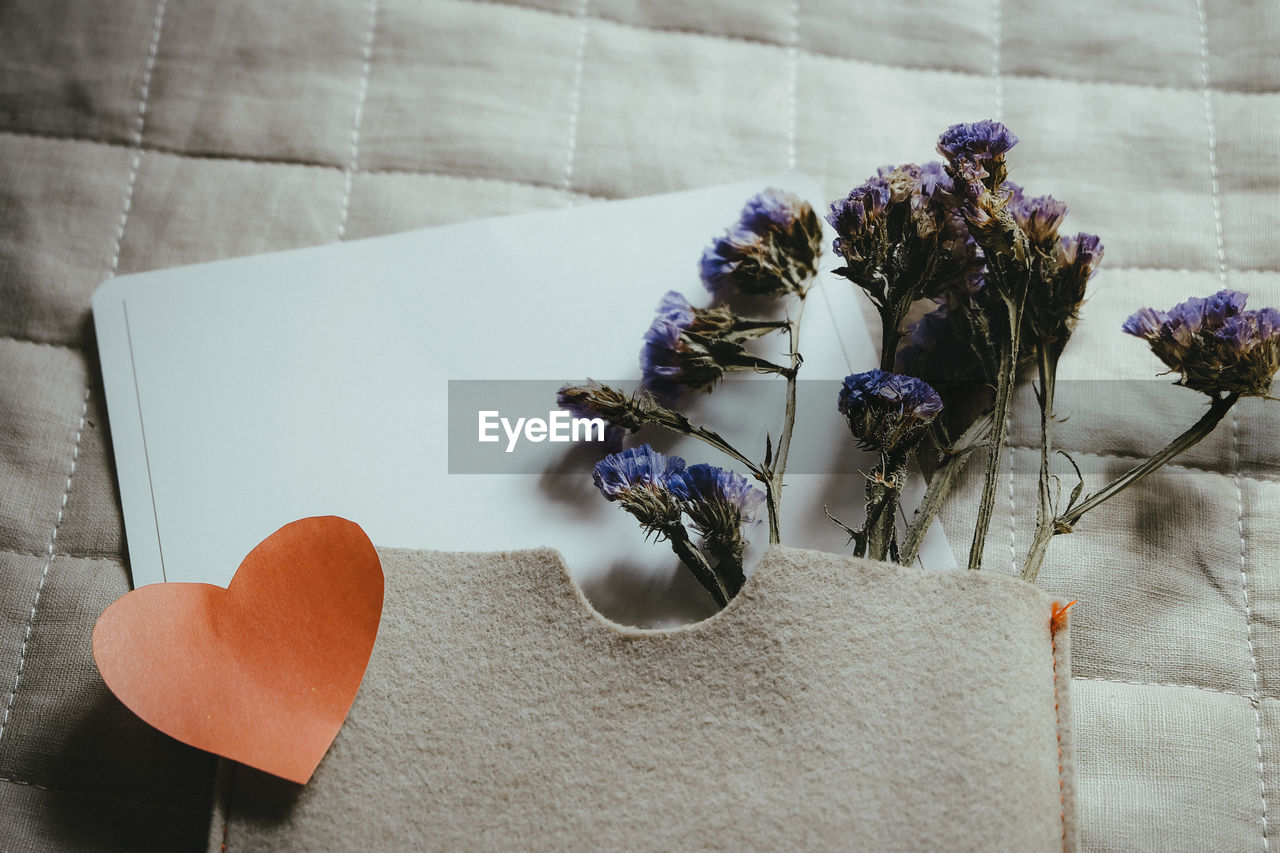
(1047, 366)
(771, 472)
(891, 317)
(944, 478)
(857, 537)
(696, 563)
(1006, 375)
(712, 438)
(776, 467)
(1201, 428)
(884, 487)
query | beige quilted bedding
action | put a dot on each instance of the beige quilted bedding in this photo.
(138, 135)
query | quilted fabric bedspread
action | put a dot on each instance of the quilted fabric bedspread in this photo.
(143, 134)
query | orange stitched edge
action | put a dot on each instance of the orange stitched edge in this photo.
(1057, 621)
(1057, 717)
(1058, 616)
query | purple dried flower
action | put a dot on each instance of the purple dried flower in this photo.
(669, 360)
(1144, 323)
(976, 151)
(687, 347)
(717, 493)
(979, 140)
(1216, 345)
(772, 250)
(619, 474)
(887, 411)
(676, 309)
(976, 165)
(1039, 217)
(772, 209)
(639, 479)
(1268, 320)
(857, 217)
(1080, 254)
(1223, 305)
(901, 238)
(934, 179)
(719, 502)
(1060, 275)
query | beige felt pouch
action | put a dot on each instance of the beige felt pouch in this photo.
(835, 704)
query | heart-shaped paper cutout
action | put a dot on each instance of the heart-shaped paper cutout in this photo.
(264, 671)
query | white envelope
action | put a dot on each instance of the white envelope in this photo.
(247, 393)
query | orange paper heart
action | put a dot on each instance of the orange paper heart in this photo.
(264, 671)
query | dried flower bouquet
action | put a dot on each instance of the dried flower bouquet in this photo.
(996, 289)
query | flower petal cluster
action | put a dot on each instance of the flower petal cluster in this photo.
(858, 218)
(1039, 217)
(1214, 343)
(1080, 255)
(771, 250)
(704, 485)
(670, 358)
(1075, 260)
(687, 347)
(638, 478)
(1060, 269)
(976, 151)
(657, 489)
(718, 502)
(902, 239)
(887, 412)
(975, 155)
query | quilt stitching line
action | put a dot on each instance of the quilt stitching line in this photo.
(1188, 270)
(1220, 691)
(18, 339)
(139, 125)
(266, 160)
(353, 158)
(1211, 124)
(1248, 624)
(1122, 457)
(997, 12)
(997, 23)
(89, 795)
(274, 161)
(793, 83)
(484, 179)
(63, 555)
(155, 148)
(809, 51)
(1215, 192)
(44, 572)
(1216, 196)
(575, 98)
